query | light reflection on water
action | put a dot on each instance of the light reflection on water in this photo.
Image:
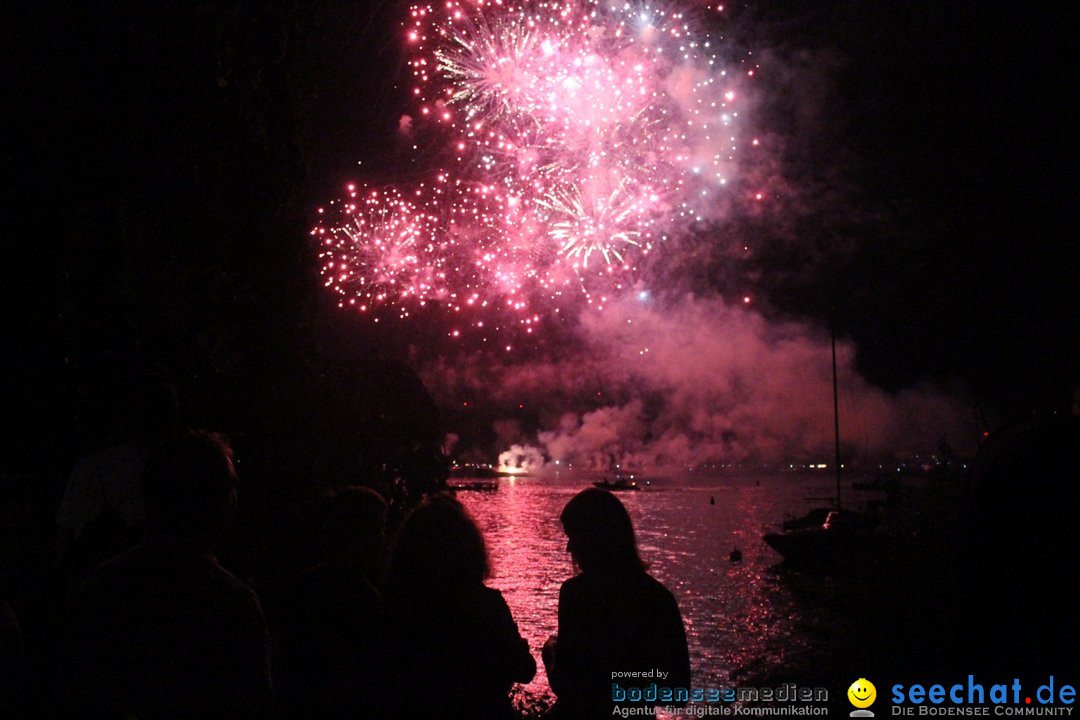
(736, 615)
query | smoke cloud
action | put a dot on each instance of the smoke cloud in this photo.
(654, 384)
(521, 458)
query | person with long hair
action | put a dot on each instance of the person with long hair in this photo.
(454, 649)
(613, 616)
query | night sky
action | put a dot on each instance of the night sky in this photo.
(164, 163)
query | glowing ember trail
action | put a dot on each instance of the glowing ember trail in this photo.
(575, 137)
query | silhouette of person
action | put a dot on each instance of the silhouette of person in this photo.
(101, 512)
(455, 649)
(163, 631)
(613, 616)
(330, 626)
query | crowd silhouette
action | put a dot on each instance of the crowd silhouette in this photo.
(383, 610)
(389, 617)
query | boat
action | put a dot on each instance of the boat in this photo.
(813, 519)
(475, 476)
(843, 536)
(475, 484)
(826, 537)
(620, 483)
(473, 471)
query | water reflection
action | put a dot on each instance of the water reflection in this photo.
(737, 616)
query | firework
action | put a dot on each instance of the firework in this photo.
(577, 137)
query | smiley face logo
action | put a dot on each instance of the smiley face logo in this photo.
(862, 693)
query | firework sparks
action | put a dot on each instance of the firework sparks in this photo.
(599, 226)
(582, 134)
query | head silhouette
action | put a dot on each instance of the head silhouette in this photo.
(353, 526)
(601, 536)
(189, 487)
(438, 546)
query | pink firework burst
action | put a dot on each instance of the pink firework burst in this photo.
(582, 134)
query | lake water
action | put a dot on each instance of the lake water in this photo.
(737, 616)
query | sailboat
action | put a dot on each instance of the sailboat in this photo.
(825, 536)
(843, 535)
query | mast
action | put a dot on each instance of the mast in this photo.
(835, 402)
